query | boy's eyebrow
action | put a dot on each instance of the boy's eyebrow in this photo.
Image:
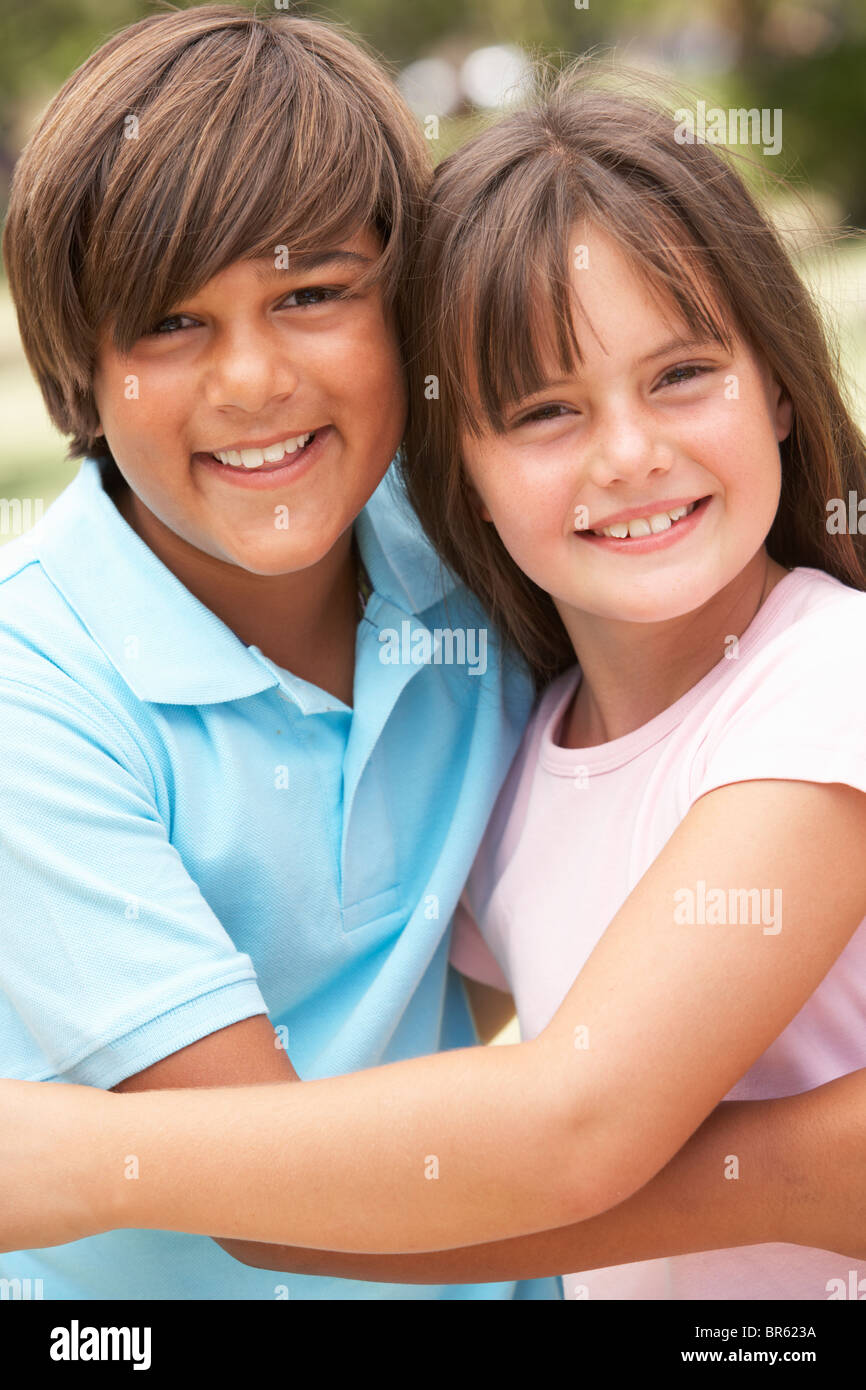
(311, 260)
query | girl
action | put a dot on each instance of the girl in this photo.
(630, 457)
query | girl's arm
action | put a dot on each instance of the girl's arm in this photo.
(801, 1179)
(471, 1146)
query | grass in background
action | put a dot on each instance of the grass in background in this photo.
(31, 450)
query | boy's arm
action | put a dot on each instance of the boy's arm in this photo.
(801, 1179)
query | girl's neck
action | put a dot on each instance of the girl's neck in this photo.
(631, 672)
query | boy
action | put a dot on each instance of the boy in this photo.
(220, 804)
(231, 833)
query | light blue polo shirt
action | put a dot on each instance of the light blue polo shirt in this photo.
(190, 836)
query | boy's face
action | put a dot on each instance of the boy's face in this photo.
(260, 355)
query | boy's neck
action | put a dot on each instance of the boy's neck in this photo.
(306, 621)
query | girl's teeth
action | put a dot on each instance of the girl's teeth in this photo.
(646, 526)
(254, 458)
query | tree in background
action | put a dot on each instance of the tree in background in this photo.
(807, 57)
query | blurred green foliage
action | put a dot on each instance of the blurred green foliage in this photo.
(807, 57)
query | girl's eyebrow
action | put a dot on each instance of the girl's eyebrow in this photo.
(673, 345)
(310, 260)
(678, 345)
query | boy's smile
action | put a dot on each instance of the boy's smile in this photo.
(259, 358)
(268, 464)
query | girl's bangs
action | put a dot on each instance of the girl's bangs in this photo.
(511, 328)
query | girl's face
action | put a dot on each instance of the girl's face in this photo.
(650, 422)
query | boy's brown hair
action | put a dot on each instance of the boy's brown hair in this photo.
(192, 139)
(490, 286)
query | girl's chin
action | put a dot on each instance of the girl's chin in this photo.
(653, 603)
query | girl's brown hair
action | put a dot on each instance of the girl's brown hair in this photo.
(491, 272)
(188, 141)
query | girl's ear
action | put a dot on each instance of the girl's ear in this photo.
(783, 411)
(477, 503)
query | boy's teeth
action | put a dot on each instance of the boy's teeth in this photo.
(646, 525)
(254, 458)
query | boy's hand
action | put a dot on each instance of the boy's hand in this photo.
(53, 1186)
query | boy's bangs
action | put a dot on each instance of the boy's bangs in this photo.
(247, 162)
(512, 326)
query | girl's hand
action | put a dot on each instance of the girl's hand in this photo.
(55, 1184)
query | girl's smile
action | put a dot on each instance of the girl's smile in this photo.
(665, 524)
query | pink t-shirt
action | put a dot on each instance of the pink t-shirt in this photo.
(791, 705)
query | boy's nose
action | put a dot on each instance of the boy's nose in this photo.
(251, 372)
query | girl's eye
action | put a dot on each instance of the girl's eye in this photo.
(677, 374)
(543, 412)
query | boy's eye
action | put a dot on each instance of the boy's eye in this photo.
(160, 329)
(311, 290)
(310, 295)
(682, 372)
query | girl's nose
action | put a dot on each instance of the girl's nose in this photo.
(627, 450)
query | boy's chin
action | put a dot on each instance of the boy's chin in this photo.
(270, 559)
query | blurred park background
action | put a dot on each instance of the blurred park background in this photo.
(460, 60)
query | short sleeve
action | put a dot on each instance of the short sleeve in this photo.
(470, 953)
(110, 957)
(797, 712)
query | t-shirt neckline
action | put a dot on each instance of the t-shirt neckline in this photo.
(605, 757)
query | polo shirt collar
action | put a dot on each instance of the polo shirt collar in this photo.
(401, 563)
(166, 645)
